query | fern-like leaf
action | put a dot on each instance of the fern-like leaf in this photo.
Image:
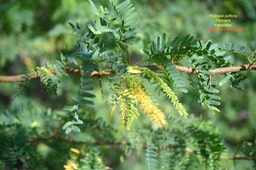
(174, 77)
(206, 83)
(208, 92)
(52, 74)
(236, 49)
(124, 18)
(85, 94)
(72, 125)
(151, 156)
(120, 24)
(163, 52)
(208, 148)
(23, 84)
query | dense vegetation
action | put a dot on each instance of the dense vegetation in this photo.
(117, 85)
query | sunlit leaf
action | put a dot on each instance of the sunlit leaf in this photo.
(69, 123)
(68, 130)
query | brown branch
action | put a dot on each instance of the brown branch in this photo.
(17, 78)
(185, 69)
(245, 67)
(241, 158)
(56, 136)
(53, 137)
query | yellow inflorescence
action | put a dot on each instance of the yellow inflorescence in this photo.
(71, 165)
(46, 70)
(147, 106)
(123, 108)
(131, 93)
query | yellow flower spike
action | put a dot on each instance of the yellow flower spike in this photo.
(147, 106)
(46, 70)
(131, 94)
(74, 150)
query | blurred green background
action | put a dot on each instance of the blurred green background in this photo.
(33, 33)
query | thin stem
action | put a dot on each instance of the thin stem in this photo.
(107, 72)
(128, 54)
(56, 137)
(123, 54)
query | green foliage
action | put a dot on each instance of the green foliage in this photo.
(203, 58)
(13, 155)
(151, 157)
(117, 22)
(209, 148)
(90, 159)
(84, 135)
(19, 124)
(24, 83)
(94, 53)
(237, 49)
(163, 51)
(21, 147)
(71, 125)
(170, 150)
(52, 74)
